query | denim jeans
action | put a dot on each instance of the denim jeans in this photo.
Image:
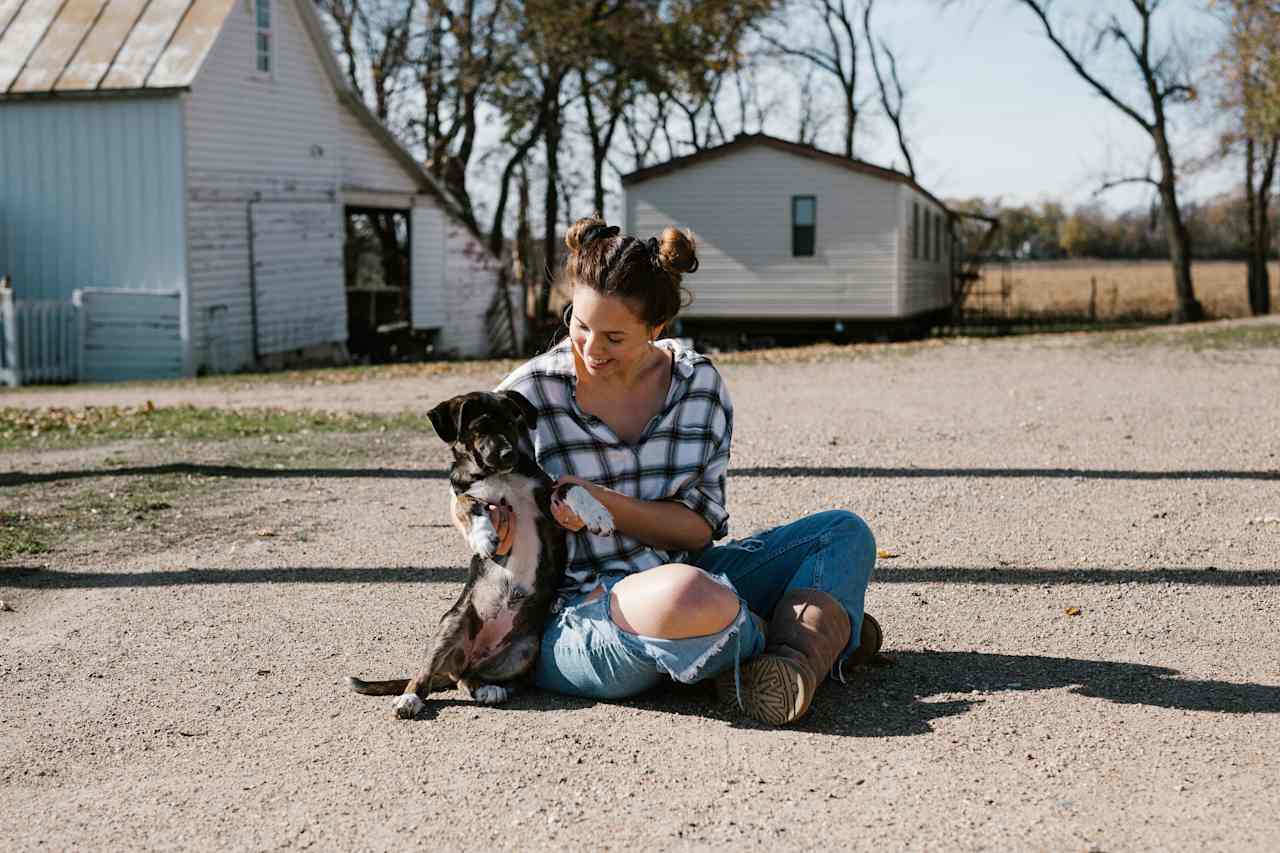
(584, 653)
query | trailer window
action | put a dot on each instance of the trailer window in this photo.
(804, 216)
(915, 230)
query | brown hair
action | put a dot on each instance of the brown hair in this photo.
(646, 273)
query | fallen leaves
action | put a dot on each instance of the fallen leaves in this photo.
(1074, 611)
(886, 554)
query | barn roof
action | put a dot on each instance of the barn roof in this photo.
(744, 140)
(64, 46)
(112, 47)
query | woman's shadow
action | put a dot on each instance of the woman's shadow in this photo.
(922, 686)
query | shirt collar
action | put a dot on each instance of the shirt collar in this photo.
(560, 363)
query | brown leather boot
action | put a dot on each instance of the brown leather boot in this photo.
(808, 631)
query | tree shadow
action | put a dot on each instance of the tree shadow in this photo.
(897, 701)
(31, 577)
(27, 478)
(1002, 473)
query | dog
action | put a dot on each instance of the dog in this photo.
(489, 638)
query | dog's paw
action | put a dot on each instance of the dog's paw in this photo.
(491, 694)
(408, 706)
(593, 514)
(483, 538)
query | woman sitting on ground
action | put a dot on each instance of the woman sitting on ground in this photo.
(645, 425)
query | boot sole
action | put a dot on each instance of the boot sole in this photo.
(773, 691)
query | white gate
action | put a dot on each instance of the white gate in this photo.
(298, 295)
(39, 340)
(129, 334)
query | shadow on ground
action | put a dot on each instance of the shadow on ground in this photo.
(34, 577)
(921, 686)
(25, 478)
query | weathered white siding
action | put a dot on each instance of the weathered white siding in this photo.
(366, 163)
(285, 137)
(926, 279)
(427, 242)
(739, 207)
(470, 275)
(251, 138)
(91, 195)
(299, 298)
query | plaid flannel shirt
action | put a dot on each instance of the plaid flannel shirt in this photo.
(683, 454)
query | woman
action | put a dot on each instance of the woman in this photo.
(645, 424)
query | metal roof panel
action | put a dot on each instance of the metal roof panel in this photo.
(22, 36)
(92, 61)
(142, 48)
(190, 44)
(50, 57)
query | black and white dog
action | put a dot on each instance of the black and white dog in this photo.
(489, 638)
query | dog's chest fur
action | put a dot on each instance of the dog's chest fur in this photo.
(499, 592)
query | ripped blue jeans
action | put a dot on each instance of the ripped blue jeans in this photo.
(584, 653)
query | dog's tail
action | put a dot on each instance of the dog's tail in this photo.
(396, 686)
(392, 687)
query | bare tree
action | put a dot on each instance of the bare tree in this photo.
(1165, 83)
(835, 53)
(892, 100)
(1250, 66)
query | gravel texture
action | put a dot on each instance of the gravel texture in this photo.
(179, 684)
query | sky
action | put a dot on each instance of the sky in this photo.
(997, 111)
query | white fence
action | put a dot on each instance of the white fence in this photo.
(101, 335)
(39, 340)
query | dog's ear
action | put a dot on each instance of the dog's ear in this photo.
(444, 419)
(520, 405)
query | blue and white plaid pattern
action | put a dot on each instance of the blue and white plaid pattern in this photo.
(683, 454)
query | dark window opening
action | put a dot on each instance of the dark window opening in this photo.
(376, 267)
(804, 218)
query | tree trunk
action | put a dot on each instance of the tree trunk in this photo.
(1188, 308)
(551, 198)
(1259, 200)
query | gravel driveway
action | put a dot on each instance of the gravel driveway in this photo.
(179, 684)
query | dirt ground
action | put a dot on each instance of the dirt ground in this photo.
(172, 672)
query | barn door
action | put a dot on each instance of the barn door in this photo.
(298, 296)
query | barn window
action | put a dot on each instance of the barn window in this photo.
(928, 224)
(262, 15)
(937, 237)
(804, 215)
(915, 230)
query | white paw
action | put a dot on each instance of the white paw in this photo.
(408, 706)
(490, 694)
(483, 538)
(591, 511)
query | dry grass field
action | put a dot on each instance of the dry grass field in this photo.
(1120, 289)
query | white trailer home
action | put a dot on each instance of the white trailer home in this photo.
(213, 150)
(794, 240)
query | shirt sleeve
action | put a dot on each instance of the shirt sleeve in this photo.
(705, 492)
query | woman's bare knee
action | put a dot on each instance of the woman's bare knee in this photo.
(673, 602)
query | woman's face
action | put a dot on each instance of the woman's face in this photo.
(607, 334)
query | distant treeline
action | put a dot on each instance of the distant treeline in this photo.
(1048, 231)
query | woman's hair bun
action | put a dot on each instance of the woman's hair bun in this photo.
(676, 252)
(587, 229)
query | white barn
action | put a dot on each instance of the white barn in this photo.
(211, 149)
(794, 238)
